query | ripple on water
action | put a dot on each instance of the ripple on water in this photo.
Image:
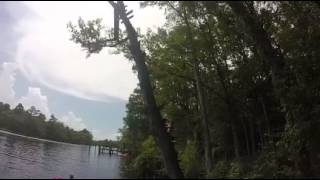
(29, 158)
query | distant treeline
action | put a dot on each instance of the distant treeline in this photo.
(32, 122)
(108, 143)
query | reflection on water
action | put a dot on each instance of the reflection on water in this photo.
(28, 158)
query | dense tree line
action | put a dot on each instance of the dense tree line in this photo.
(238, 82)
(32, 122)
(107, 143)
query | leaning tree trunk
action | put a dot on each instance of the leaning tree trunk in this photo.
(158, 129)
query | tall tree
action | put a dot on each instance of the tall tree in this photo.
(283, 81)
(158, 129)
(266, 50)
(200, 92)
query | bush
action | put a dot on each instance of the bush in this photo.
(190, 161)
(266, 165)
(148, 163)
(235, 170)
(280, 159)
(221, 170)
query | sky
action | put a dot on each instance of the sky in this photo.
(41, 67)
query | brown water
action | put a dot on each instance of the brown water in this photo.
(23, 157)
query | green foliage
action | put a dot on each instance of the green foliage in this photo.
(230, 170)
(144, 157)
(220, 170)
(191, 161)
(235, 170)
(147, 164)
(244, 112)
(281, 159)
(136, 126)
(266, 165)
(32, 122)
(89, 34)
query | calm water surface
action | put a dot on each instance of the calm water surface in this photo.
(22, 157)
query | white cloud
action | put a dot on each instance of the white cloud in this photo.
(7, 79)
(35, 98)
(46, 54)
(114, 136)
(97, 135)
(74, 122)
(102, 135)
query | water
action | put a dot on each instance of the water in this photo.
(22, 157)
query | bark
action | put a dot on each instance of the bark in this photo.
(265, 115)
(261, 135)
(245, 131)
(252, 136)
(227, 96)
(158, 129)
(271, 55)
(204, 117)
(233, 114)
(200, 94)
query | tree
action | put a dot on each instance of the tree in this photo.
(200, 92)
(158, 129)
(33, 123)
(283, 82)
(249, 71)
(33, 111)
(19, 108)
(53, 118)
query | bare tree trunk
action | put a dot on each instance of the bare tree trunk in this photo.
(200, 94)
(261, 134)
(245, 132)
(275, 58)
(233, 115)
(252, 136)
(227, 97)
(265, 115)
(158, 129)
(204, 117)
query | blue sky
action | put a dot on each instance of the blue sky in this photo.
(40, 66)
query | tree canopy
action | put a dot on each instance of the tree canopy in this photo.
(32, 122)
(237, 81)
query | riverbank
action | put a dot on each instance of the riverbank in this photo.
(37, 139)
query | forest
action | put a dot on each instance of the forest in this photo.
(227, 89)
(33, 123)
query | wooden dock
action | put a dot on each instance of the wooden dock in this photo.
(107, 150)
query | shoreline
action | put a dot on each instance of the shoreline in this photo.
(37, 139)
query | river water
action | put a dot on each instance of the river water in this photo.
(23, 157)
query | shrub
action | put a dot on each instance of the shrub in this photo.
(190, 161)
(221, 170)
